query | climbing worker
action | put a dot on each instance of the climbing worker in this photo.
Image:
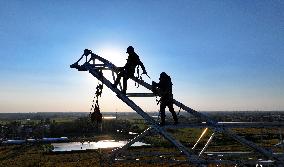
(164, 87)
(129, 69)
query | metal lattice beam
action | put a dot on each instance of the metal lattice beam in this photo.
(190, 155)
(217, 127)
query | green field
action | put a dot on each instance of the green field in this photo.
(78, 128)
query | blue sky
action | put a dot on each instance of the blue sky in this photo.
(221, 55)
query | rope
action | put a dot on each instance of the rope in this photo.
(139, 76)
(179, 111)
(96, 116)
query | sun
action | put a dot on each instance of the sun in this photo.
(114, 54)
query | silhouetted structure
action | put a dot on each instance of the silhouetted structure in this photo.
(129, 69)
(96, 70)
(86, 54)
(165, 89)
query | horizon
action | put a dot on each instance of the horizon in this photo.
(223, 55)
(135, 112)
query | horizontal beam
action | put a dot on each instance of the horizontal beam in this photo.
(116, 151)
(168, 161)
(140, 95)
(228, 125)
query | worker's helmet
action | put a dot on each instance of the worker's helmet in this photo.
(130, 49)
(163, 75)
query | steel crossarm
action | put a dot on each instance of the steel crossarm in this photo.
(190, 155)
(215, 125)
(149, 120)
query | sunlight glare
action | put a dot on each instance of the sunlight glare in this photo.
(115, 55)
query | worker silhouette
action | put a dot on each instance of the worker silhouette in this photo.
(164, 87)
(129, 69)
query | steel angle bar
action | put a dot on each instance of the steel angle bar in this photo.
(112, 73)
(208, 120)
(107, 63)
(202, 134)
(152, 153)
(128, 144)
(113, 77)
(250, 144)
(101, 68)
(213, 123)
(191, 111)
(182, 125)
(250, 124)
(153, 161)
(172, 161)
(207, 144)
(182, 106)
(99, 65)
(193, 158)
(197, 114)
(227, 132)
(129, 102)
(220, 124)
(140, 95)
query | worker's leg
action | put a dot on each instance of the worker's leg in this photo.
(125, 84)
(118, 78)
(126, 76)
(162, 112)
(171, 108)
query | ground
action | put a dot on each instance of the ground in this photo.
(36, 154)
(30, 155)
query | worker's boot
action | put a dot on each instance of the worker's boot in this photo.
(116, 81)
(176, 122)
(124, 85)
(175, 118)
(163, 116)
(162, 123)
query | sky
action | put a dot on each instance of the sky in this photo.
(221, 54)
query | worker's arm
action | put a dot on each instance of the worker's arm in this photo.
(143, 67)
(155, 86)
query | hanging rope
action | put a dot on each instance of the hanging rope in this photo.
(179, 111)
(139, 76)
(96, 116)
